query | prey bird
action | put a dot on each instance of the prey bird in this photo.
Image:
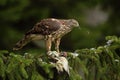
(50, 30)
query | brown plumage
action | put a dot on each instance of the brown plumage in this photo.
(51, 30)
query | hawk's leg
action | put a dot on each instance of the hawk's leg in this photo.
(48, 44)
(57, 44)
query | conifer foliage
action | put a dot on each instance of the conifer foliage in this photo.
(100, 63)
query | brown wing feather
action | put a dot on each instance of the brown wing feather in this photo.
(45, 27)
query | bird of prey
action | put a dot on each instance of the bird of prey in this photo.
(51, 30)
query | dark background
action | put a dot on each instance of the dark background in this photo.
(97, 19)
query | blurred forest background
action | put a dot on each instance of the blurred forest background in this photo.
(97, 18)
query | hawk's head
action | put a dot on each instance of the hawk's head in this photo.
(73, 23)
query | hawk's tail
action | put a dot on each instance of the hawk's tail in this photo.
(26, 39)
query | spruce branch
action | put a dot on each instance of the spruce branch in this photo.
(100, 63)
